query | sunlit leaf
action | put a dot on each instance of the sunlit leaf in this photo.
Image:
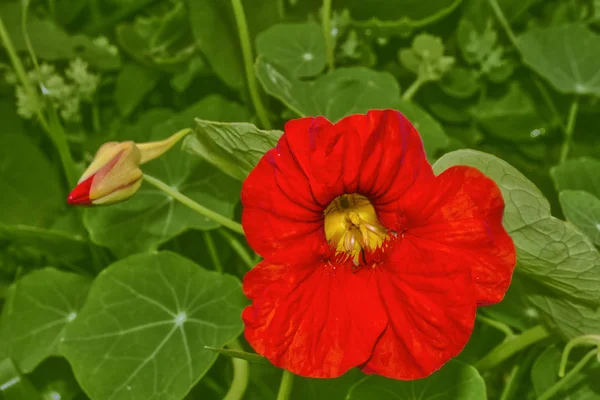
(142, 331)
(561, 54)
(548, 250)
(234, 148)
(39, 307)
(456, 380)
(299, 48)
(582, 210)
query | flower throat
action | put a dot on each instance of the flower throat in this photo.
(351, 226)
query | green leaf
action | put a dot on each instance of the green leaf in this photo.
(513, 117)
(561, 54)
(460, 83)
(142, 331)
(544, 375)
(134, 82)
(243, 355)
(383, 18)
(54, 380)
(212, 19)
(151, 217)
(326, 389)
(456, 380)
(13, 385)
(234, 148)
(577, 174)
(344, 92)
(51, 42)
(40, 306)
(549, 250)
(299, 48)
(582, 210)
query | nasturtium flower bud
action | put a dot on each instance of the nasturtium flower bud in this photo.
(114, 174)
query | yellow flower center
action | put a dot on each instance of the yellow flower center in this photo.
(351, 225)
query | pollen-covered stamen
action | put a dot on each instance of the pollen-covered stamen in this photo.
(351, 225)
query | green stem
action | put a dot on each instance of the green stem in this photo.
(240, 19)
(329, 43)
(22, 75)
(285, 387)
(200, 209)
(504, 22)
(412, 89)
(281, 8)
(241, 374)
(212, 251)
(558, 386)
(238, 248)
(548, 100)
(511, 347)
(564, 151)
(578, 341)
(496, 324)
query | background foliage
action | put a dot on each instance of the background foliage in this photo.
(120, 302)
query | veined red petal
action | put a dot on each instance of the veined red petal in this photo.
(430, 300)
(80, 195)
(316, 320)
(461, 212)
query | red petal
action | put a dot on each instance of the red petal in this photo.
(80, 195)
(315, 320)
(461, 211)
(430, 300)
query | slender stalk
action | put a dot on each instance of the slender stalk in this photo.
(241, 374)
(285, 387)
(558, 386)
(564, 151)
(412, 89)
(238, 248)
(496, 324)
(200, 209)
(212, 251)
(329, 43)
(578, 341)
(511, 382)
(240, 19)
(511, 347)
(548, 100)
(281, 8)
(504, 22)
(22, 75)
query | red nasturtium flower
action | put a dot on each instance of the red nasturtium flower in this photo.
(371, 260)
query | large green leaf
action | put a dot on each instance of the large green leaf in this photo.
(234, 148)
(134, 82)
(344, 92)
(544, 375)
(582, 210)
(13, 385)
(142, 331)
(397, 17)
(39, 308)
(456, 380)
(151, 217)
(299, 48)
(211, 19)
(577, 174)
(562, 55)
(549, 250)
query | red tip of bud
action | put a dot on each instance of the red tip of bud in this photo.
(80, 196)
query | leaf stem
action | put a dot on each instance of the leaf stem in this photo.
(200, 209)
(238, 248)
(504, 22)
(570, 128)
(241, 374)
(554, 389)
(580, 340)
(413, 88)
(512, 346)
(496, 324)
(285, 387)
(212, 251)
(326, 25)
(240, 19)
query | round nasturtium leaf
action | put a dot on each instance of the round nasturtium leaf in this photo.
(142, 331)
(456, 380)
